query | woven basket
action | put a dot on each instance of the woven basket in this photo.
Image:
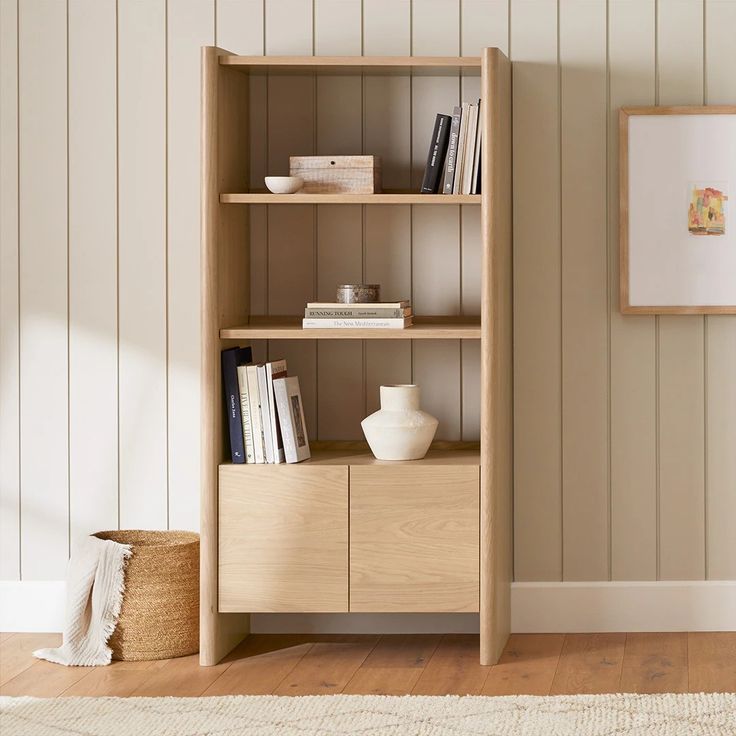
(159, 617)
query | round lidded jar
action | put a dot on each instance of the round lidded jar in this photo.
(358, 293)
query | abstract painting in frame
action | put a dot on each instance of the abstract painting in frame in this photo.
(677, 228)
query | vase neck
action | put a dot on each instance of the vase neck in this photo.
(400, 398)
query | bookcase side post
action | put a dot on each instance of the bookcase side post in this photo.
(496, 484)
(224, 259)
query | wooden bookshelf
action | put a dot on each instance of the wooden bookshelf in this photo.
(289, 328)
(266, 198)
(446, 518)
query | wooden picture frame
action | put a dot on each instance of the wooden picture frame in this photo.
(638, 254)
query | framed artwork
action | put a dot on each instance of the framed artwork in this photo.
(677, 226)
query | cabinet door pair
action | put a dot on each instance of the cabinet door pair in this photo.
(370, 538)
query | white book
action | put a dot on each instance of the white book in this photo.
(254, 400)
(476, 153)
(291, 416)
(265, 413)
(368, 306)
(467, 185)
(460, 161)
(245, 414)
(346, 323)
(275, 369)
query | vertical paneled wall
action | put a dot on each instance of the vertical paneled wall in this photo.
(625, 426)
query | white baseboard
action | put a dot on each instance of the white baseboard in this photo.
(535, 608)
(32, 605)
(689, 605)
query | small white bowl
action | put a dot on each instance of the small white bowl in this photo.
(284, 184)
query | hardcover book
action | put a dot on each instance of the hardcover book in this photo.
(291, 416)
(265, 412)
(275, 369)
(436, 156)
(250, 453)
(401, 304)
(230, 360)
(451, 158)
(254, 399)
(355, 324)
(350, 313)
(457, 181)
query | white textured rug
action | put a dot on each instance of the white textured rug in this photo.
(367, 715)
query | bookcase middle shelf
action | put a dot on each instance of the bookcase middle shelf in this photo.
(290, 328)
(384, 198)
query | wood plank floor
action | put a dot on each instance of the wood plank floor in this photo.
(536, 664)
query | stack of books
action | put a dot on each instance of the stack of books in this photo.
(453, 161)
(371, 315)
(264, 409)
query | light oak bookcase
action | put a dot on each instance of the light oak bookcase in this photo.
(343, 531)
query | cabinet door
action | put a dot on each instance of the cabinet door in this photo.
(283, 538)
(414, 538)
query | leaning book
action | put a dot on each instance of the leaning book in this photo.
(291, 418)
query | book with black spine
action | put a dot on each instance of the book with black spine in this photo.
(230, 360)
(436, 155)
(451, 158)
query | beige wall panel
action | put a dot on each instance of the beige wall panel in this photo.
(288, 26)
(387, 133)
(9, 314)
(190, 26)
(93, 351)
(537, 296)
(142, 263)
(435, 230)
(386, 362)
(291, 258)
(484, 23)
(387, 27)
(720, 457)
(584, 286)
(681, 345)
(436, 368)
(340, 389)
(337, 27)
(436, 260)
(633, 356)
(720, 356)
(240, 26)
(339, 130)
(470, 390)
(435, 28)
(43, 249)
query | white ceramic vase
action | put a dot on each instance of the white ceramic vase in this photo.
(399, 430)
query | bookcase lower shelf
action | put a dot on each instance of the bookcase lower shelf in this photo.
(345, 532)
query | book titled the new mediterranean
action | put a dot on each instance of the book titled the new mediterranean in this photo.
(356, 324)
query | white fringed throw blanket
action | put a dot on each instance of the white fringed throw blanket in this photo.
(94, 593)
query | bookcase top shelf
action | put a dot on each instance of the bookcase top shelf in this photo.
(281, 328)
(392, 198)
(399, 65)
